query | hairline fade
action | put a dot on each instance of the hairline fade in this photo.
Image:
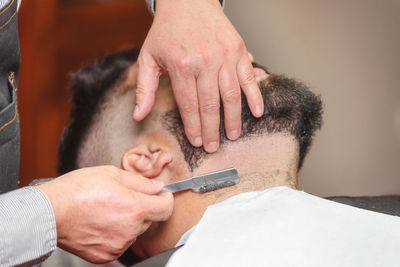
(88, 87)
(289, 107)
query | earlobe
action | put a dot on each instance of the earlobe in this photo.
(146, 160)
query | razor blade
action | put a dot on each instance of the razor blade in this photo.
(206, 182)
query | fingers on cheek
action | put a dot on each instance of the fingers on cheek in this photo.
(191, 121)
(245, 73)
(209, 102)
(250, 87)
(147, 83)
(231, 99)
(186, 98)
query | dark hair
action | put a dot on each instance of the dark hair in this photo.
(289, 107)
(88, 87)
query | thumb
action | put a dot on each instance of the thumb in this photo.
(139, 183)
(147, 84)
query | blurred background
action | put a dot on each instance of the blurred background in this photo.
(58, 37)
(348, 51)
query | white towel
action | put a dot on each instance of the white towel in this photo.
(286, 227)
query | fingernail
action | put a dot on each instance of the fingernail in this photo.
(258, 111)
(198, 141)
(233, 135)
(136, 111)
(212, 147)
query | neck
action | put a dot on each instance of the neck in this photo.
(268, 162)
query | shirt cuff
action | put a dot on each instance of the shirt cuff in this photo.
(28, 228)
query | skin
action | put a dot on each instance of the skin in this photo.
(189, 207)
(100, 211)
(207, 61)
(156, 155)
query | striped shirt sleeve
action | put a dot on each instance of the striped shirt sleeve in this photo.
(27, 229)
(4, 3)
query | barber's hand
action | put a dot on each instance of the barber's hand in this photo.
(100, 211)
(195, 43)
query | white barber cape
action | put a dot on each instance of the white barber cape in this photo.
(286, 227)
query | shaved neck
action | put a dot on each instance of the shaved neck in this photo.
(268, 161)
(272, 161)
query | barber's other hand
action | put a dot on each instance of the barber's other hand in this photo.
(100, 211)
(195, 43)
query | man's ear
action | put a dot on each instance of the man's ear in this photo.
(147, 159)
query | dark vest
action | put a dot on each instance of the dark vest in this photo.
(9, 122)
